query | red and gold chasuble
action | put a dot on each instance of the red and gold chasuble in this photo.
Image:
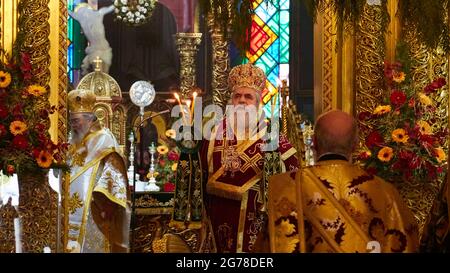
(234, 199)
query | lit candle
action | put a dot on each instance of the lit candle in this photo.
(177, 97)
(194, 96)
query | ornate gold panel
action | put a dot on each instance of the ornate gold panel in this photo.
(62, 72)
(427, 66)
(327, 61)
(370, 54)
(38, 212)
(187, 46)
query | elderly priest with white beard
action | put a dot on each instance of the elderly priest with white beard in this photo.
(98, 205)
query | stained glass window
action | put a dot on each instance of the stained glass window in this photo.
(269, 46)
(76, 44)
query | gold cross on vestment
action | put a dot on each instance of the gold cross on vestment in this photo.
(250, 162)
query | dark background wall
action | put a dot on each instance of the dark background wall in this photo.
(301, 69)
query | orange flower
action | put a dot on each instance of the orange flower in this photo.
(398, 77)
(424, 99)
(385, 154)
(17, 127)
(425, 128)
(382, 109)
(44, 159)
(5, 79)
(171, 133)
(36, 90)
(440, 154)
(399, 136)
(162, 150)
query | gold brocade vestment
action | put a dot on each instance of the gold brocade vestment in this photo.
(343, 209)
(234, 199)
(98, 205)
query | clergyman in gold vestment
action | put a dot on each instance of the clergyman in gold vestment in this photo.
(98, 205)
(335, 206)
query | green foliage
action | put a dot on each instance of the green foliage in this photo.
(426, 18)
(233, 17)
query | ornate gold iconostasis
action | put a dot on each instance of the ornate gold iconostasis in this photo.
(348, 77)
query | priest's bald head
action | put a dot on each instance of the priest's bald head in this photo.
(335, 132)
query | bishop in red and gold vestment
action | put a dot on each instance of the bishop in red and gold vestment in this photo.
(235, 165)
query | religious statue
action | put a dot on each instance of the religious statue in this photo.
(91, 22)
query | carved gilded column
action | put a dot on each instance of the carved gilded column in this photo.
(324, 61)
(8, 23)
(59, 71)
(220, 64)
(187, 46)
(393, 31)
(427, 66)
(333, 66)
(370, 54)
(38, 204)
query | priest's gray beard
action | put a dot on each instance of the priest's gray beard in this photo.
(78, 135)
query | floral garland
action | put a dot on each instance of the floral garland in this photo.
(134, 12)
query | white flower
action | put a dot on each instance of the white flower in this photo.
(124, 19)
(131, 20)
(124, 9)
(137, 14)
(141, 2)
(144, 10)
(116, 2)
(124, 2)
(146, 4)
(119, 17)
(116, 10)
(129, 14)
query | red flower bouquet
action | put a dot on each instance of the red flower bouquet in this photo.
(25, 144)
(405, 141)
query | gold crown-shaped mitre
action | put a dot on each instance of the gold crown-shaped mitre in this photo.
(81, 101)
(247, 75)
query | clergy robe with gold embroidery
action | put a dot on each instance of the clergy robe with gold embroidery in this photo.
(233, 202)
(98, 189)
(342, 208)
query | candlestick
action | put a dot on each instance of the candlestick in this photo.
(130, 171)
(152, 181)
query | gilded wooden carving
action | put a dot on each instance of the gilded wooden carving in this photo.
(220, 64)
(370, 53)
(327, 60)
(187, 46)
(427, 66)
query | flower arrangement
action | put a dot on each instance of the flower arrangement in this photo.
(25, 144)
(167, 163)
(404, 143)
(134, 12)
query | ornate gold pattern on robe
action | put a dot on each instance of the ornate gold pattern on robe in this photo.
(99, 218)
(234, 201)
(344, 209)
